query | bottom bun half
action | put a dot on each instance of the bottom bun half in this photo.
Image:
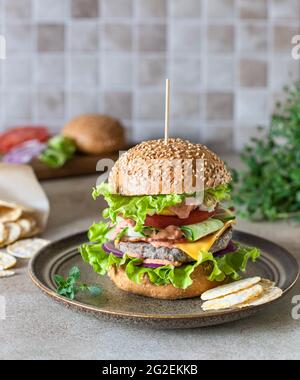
(168, 292)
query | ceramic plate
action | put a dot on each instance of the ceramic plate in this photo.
(275, 264)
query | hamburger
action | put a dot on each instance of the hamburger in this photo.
(168, 230)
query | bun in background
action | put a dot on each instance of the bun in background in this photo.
(95, 133)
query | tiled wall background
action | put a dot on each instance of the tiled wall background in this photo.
(227, 60)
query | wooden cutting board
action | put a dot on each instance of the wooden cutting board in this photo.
(78, 165)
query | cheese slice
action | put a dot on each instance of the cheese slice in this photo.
(204, 244)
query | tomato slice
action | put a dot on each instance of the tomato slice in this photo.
(162, 221)
(19, 135)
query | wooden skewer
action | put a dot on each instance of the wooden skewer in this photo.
(167, 111)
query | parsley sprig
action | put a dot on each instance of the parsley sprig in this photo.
(70, 287)
(269, 186)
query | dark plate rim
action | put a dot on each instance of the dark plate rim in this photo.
(143, 316)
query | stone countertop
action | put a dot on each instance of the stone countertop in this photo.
(38, 328)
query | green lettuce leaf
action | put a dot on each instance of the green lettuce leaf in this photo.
(220, 267)
(59, 150)
(233, 263)
(98, 231)
(62, 144)
(219, 193)
(134, 207)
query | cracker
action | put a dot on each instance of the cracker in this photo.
(9, 212)
(3, 234)
(14, 232)
(266, 284)
(6, 273)
(233, 287)
(6, 261)
(26, 249)
(27, 225)
(35, 229)
(234, 299)
(270, 293)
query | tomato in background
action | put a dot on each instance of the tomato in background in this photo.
(17, 136)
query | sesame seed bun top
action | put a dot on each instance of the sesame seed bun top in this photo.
(153, 167)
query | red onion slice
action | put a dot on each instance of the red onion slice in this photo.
(109, 247)
(25, 152)
(149, 265)
(231, 247)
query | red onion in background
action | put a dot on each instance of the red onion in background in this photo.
(25, 152)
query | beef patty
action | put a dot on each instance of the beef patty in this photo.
(147, 250)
